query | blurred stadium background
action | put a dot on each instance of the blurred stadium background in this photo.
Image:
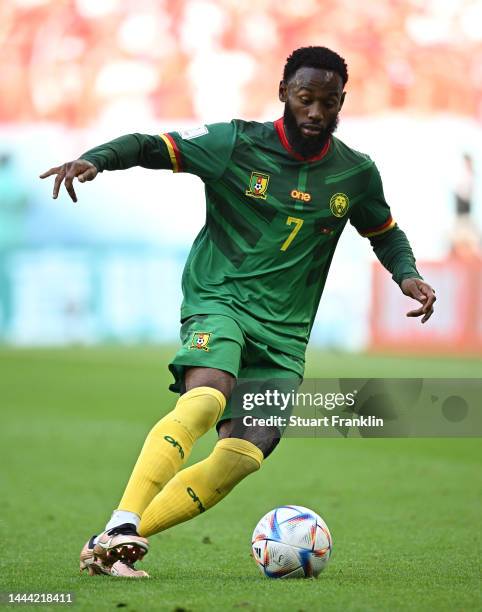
(76, 73)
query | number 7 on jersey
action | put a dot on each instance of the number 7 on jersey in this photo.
(298, 223)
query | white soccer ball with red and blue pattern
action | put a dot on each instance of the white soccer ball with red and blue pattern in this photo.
(291, 542)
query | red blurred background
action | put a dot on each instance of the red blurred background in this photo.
(68, 61)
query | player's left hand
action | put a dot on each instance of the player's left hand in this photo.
(423, 293)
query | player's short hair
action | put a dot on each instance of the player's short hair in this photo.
(315, 57)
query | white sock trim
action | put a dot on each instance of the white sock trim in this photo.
(119, 517)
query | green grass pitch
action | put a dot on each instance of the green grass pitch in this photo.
(404, 514)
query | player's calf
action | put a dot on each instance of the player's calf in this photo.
(202, 485)
(169, 444)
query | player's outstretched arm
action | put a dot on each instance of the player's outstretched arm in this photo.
(423, 293)
(119, 154)
(81, 169)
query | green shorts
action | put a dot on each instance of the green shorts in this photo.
(218, 341)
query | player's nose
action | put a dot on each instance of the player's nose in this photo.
(315, 113)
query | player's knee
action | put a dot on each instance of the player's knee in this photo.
(209, 377)
(264, 438)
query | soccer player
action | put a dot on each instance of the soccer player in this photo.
(278, 196)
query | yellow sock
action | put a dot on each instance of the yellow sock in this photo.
(201, 486)
(169, 444)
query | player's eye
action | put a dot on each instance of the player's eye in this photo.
(305, 101)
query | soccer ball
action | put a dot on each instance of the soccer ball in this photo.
(291, 542)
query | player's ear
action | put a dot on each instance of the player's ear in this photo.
(283, 92)
(342, 99)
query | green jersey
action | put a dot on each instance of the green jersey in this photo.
(273, 220)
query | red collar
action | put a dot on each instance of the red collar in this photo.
(280, 128)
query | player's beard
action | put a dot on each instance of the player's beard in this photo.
(306, 146)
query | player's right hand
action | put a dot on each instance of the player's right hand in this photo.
(80, 168)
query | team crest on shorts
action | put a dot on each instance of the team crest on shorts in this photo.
(339, 204)
(200, 340)
(258, 185)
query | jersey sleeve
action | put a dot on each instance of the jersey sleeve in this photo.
(128, 151)
(204, 151)
(371, 216)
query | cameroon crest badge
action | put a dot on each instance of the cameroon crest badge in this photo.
(339, 204)
(200, 340)
(258, 185)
